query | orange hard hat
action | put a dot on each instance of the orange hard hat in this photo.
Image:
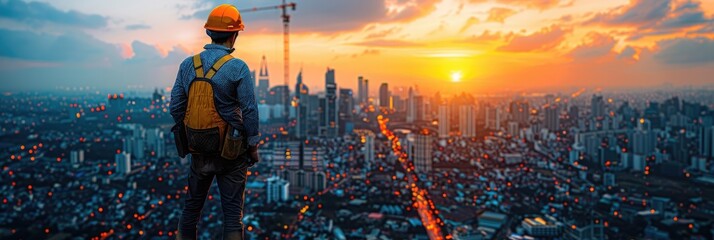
(224, 18)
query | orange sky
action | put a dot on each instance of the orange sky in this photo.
(495, 45)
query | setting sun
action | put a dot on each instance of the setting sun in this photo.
(456, 76)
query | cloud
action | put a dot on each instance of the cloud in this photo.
(78, 59)
(545, 39)
(137, 27)
(629, 53)
(387, 43)
(598, 45)
(654, 17)
(327, 16)
(686, 51)
(469, 23)
(499, 14)
(39, 12)
(71, 47)
(535, 4)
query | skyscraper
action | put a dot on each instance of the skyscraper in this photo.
(411, 107)
(123, 163)
(369, 148)
(597, 106)
(420, 151)
(384, 98)
(520, 110)
(552, 118)
(493, 117)
(277, 189)
(330, 123)
(467, 121)
(263, 82)
(301, 108)
(360, 90)
(345, 106)
(444, 121)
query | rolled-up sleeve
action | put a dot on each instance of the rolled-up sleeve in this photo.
(179, 99)
(248, 106)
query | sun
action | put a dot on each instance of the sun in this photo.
(456, 76)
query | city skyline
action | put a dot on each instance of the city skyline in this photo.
(494, 45)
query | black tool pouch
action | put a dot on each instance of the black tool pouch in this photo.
(179, 131)
(205, 141)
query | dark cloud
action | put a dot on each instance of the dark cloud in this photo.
(39, 12)
(545, 39)
(78, 59)
(74, 47)
(137, 27)
(654, 17)
(326, 16)
(628, 53)
(686, 51)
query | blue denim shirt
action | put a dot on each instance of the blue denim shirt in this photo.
(233, 88)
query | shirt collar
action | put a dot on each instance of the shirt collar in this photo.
(212, 46)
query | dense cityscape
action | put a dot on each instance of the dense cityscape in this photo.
(387, 164)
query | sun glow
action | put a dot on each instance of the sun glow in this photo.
(456, 76)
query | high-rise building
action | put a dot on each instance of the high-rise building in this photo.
(301, 107)
(345, 109)
(467, 121)
(123, 163)
(444, 121)
(76, 157)
(411, 107)
(263, 82)
(597, 106)
(520, 110)
(493, 117)
(330, 123)
(369, 148)
(643, 142)
(360, 90)
(155, 142)
(384, 98)
(552, 118)
(420, 151)
(277, 189)
(420, 108)
(705, 137)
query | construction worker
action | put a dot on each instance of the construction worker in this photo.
(214, 106)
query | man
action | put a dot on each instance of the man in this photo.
(234, 100)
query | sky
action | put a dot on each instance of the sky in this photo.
(451, 46)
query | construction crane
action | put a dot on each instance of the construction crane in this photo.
(286, 42)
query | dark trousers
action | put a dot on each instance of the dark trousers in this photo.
(231, 178)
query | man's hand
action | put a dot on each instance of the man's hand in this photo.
(253, 156)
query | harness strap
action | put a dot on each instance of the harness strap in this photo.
(218, 65)
(197, 65)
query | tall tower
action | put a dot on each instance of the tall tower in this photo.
(411, 107)
(467, 121)
(330, 110)
(384, 98)
(552, 118)
(263, 81)
(301, 108)
(360, 90)
(444, 121)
